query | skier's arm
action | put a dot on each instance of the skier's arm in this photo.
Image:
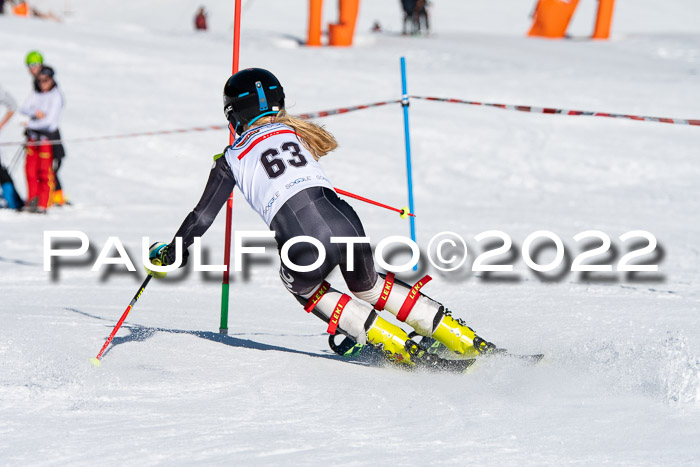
(7, 101)
(6, 118)
(217, 191)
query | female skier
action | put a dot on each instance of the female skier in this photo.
(43, 107)
(275, 164)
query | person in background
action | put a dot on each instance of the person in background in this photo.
(408, 6)
(35, 62)
(415, 13)
(44, 110)
(420, 16)
(7, 188)
(2, 7)
(200, 19)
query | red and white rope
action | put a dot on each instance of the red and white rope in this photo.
(343, 110)
(550, 110)
(306, 116)
(125, 135)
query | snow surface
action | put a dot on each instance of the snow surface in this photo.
(622, 381)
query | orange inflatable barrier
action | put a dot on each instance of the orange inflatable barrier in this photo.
(552, 18)
(604, 19)
(340, 33)
(315, 17)
(21, 9)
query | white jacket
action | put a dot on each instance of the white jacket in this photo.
(50, 103)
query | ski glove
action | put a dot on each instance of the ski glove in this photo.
(158, 254)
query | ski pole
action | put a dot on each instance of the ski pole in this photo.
(405, 212)
(15, 159)
(96, 361)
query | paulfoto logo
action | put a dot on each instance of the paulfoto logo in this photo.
(447, 252)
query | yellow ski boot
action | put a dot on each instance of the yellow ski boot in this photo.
(460, 338)
(403, 351)
(428, 317)
(392, 340)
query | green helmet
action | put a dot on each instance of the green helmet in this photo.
(34, 58)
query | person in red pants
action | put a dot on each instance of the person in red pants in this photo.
(44, 110)
(40, 181)
(35, 62)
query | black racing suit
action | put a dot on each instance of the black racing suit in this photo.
(317, 212)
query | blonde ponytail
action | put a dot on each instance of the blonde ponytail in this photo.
(314, 138)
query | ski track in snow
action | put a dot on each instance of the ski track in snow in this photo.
(621, 381)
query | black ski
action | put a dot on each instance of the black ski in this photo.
(427, 354)
(434, 347)
(423, 359)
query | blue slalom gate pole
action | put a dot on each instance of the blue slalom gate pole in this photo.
(404, 104)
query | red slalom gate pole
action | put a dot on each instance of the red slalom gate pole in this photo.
(96, 361)
(223, 325)
(403, 212)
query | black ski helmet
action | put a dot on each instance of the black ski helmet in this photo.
(46, 71)
(250, 94)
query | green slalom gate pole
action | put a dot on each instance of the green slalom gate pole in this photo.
(223, 325)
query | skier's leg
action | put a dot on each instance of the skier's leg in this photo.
(343, 314)
(45, 175)
(428, 317)
(358, 321)
(30, 168)
(319, 213)
(350, 317)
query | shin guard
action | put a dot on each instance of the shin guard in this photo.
(340, 312)
(428, 317)
(405, 302)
